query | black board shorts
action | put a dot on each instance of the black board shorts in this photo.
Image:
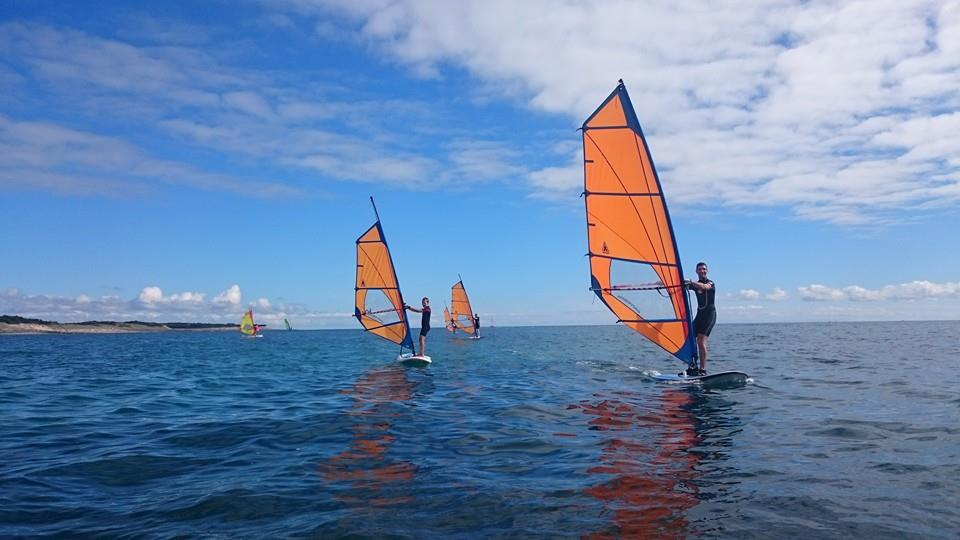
(424, 331)
(704, 322)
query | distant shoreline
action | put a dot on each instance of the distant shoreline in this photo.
(11, 324)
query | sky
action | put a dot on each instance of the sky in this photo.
(183, 161)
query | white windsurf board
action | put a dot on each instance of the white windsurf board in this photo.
(414, 360)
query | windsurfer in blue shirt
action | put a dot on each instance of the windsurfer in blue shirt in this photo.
(424, 323)
(706, 317)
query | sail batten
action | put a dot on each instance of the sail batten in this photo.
(614, 194)
(655, 263)
(378, 303)
(634, 261)
(376, 288)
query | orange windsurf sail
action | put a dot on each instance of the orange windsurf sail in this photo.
(379, 305)
(447, 321)
(462, 311)
(634, 263)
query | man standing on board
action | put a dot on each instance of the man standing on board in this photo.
(476, 325)
(424, 323)
(706, 314)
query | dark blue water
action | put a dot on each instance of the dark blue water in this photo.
(849, 430)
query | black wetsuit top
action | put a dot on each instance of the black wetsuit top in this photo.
(705, 299)
(476, 322)
(706, 309)
(425, 321)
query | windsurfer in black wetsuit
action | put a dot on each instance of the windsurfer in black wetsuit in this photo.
(424, 323)
(476, 325)
(706, 314)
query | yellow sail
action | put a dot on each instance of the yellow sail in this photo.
(247, 326)
(462, 311)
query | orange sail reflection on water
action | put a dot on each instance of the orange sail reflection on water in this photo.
(654, 473)
(365, 464)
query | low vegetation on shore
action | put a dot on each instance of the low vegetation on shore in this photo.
(13, 324)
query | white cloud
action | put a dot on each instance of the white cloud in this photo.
(558, 183)
(154, 295)
(914, 290)
(777, 295)
(187, 297)
(735, 99)
(50, 156)
(740, 309)
(151, 295)
(248, 102)
(749, 294)
(921, 289)
(228, 109)
(820, 292)
(150, 304)
(231, 296)
(483, 160)
(752, 295)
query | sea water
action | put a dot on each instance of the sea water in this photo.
(847, 430)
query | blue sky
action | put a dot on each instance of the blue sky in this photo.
(183, 161)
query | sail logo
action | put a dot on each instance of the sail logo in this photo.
(604, 249)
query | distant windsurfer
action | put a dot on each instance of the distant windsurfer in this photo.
(424, 323)
(706, 314)
(476, 325)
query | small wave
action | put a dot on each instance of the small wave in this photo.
(843, 433)
(127, 410)
(128, 470)
(900, 468)
(239, 504)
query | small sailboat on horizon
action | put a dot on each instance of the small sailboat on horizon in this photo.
(461, 316)
(635, 267)
(448, 321)
(248, 327)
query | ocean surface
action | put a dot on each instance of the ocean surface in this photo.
(847, 430)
